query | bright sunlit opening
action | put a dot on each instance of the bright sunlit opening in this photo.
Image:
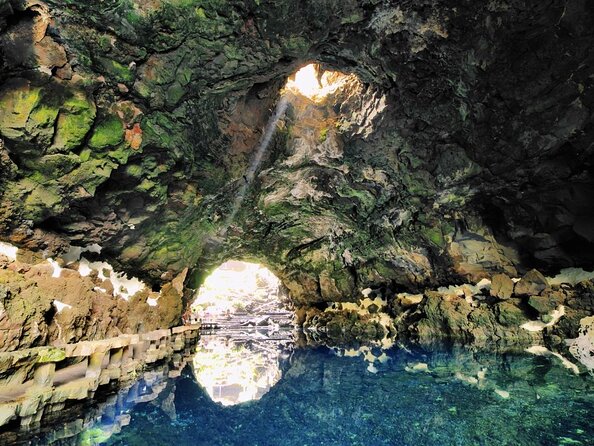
(316, 84)
(238, 287)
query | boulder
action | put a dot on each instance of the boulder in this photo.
(510, 315)
(547, 302)
(502, 286)
(532, 283)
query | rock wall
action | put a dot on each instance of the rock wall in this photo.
(466, 149)
(34, 383)
(495, 313)
(37, 308)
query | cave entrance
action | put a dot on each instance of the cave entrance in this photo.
(317, 84)
(240, 295)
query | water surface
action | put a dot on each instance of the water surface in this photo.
(415, 397)
(253, 390)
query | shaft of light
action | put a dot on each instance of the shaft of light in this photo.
(248, 178)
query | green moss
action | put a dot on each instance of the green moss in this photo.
(44, 116)
(365, 198)
(116, 70)
(175, 93)
(323, 134)
(38, 177)
(435, 236)
(120, 155)
(17, 101)
(53, 166)
(42, 202)
(107, 134)
(85, 155)
(200, 13)
(50, 355)
(143, 89)
(74, 122)
(134, 170)
(296, 46)
(280, 208)
(93, 437)
(89, 175)
(355, 17)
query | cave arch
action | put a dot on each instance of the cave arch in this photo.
(241, 293)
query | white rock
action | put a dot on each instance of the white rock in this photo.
(502, 393)
(539, 350)
(408, 300)
(485, 283)
(60, 306)
(571, 276)
(9, 251)
(122, 285)
(84, 267)
(582, 347)
(540, 326)
(57, 270)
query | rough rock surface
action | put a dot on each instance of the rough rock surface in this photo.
(465, 314)
(532, 283)
(466, 150)
(502, 286)
(37, 309)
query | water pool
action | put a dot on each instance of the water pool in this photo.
(262, 393)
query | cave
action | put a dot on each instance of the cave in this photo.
(401, 183)
(241, 293)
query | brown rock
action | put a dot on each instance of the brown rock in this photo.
(502, 286)
(49, 54)
(64, 72)
(532, 283)
(547, 302)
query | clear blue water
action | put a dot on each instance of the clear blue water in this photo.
(439, 397)
(317, 396)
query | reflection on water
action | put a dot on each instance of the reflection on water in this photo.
(235, 370)
(415, 397)
(442, 396)
(92, 423)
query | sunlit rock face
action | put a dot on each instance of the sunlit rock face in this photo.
(234, 372)
(454, 142)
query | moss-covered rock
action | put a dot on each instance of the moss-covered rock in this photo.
(411, 177)
(114, 69)
(108, 133)
(18, 99)
(76, 117)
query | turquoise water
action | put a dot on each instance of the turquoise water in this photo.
(415, 397)
(265, 393)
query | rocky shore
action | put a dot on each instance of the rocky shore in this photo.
(501, 311)
(42, 303)
(34, 383)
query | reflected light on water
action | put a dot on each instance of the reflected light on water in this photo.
(236, 372)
